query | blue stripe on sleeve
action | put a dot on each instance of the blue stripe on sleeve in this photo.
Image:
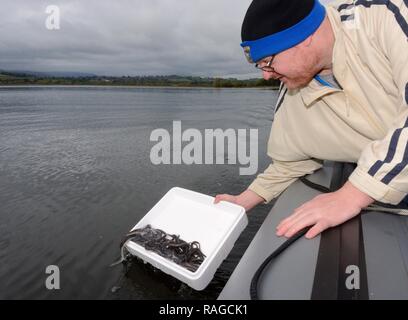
(391, 151)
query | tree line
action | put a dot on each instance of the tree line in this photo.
(12, 78)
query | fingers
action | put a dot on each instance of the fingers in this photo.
(296, 213)
(295, 223)
(224, 197)
(299, 225)
(218, 198)
(301, 221)
(315, 230)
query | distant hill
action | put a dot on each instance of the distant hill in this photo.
(78, 78)
(54, 74)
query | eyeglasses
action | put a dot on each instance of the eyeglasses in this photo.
(268, 67)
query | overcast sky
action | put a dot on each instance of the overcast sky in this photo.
(126, 37)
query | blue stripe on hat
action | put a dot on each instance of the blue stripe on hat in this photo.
(288, 38)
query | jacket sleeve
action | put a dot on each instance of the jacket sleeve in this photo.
(382, 170)
(280, 175)
(288, 161)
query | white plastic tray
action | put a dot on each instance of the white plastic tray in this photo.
(194, 217)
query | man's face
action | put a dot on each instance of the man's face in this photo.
(295, 67)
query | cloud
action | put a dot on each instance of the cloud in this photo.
(126, 37)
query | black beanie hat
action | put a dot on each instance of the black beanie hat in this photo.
(272, 26)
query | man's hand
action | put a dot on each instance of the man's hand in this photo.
(325, 211)
(247, 199)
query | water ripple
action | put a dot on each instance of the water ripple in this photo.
(75, 175)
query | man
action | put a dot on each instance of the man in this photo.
(344, 97)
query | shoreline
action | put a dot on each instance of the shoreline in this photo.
(4, 86)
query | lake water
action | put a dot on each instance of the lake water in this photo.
(76, 175)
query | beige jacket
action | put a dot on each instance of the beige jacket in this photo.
(366, 122)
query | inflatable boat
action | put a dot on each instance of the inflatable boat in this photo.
(364, 258)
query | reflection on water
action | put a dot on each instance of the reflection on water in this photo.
(75, 175)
